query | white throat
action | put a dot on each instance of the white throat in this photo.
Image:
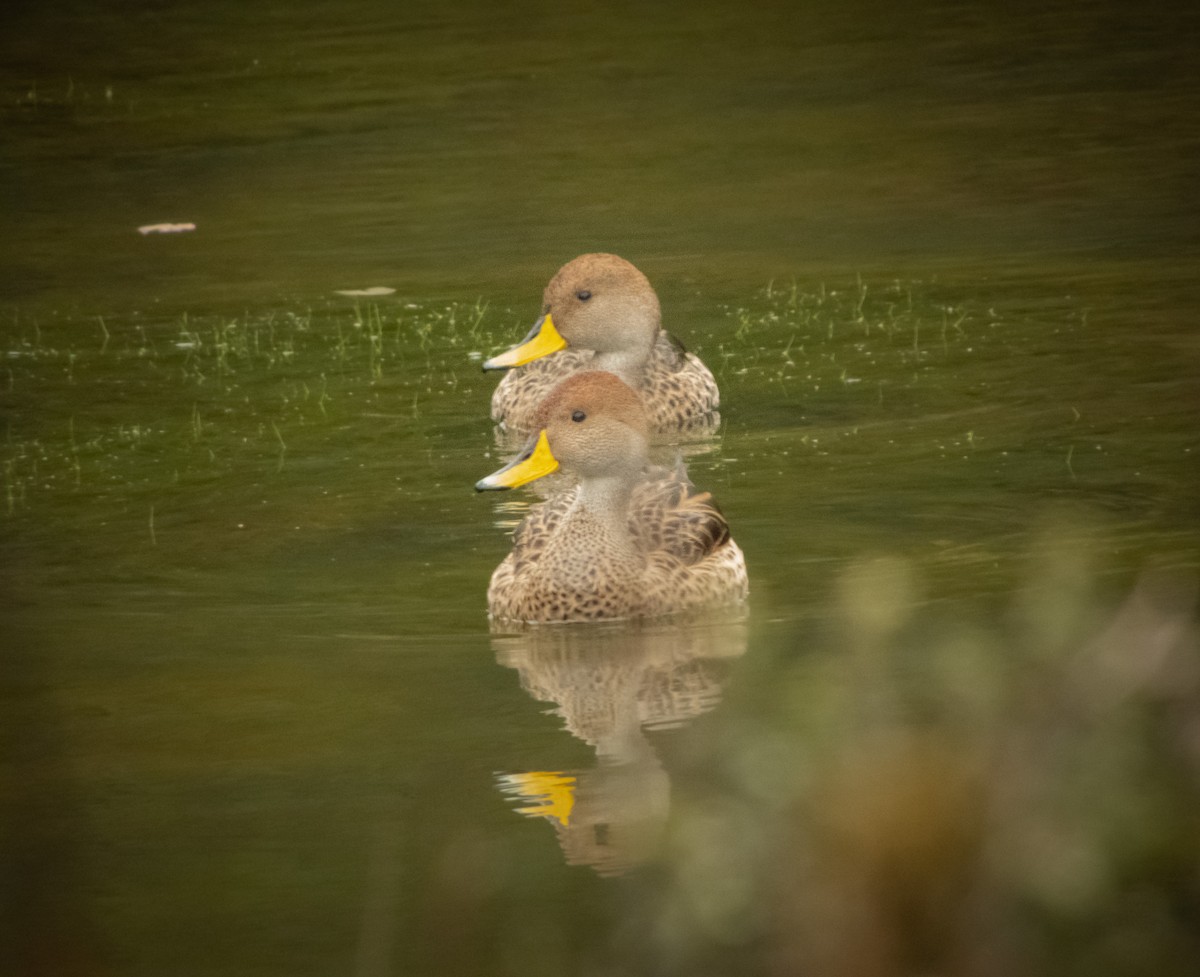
(628, 364)
(606, 497)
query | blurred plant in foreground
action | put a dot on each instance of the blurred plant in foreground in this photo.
(931, 796)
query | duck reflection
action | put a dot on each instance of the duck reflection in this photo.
(611, 685)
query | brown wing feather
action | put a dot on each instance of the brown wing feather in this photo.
(679, 391)
(668, 515)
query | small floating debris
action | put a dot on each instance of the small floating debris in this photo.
(166, 228)
(367, 292)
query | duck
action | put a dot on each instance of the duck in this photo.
(599, 312)
(623, 538)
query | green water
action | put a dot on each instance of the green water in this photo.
(942, 261)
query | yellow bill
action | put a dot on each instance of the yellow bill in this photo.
(534, 462)
(543, 339)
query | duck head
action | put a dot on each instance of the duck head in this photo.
(597, 302)
(592, 424)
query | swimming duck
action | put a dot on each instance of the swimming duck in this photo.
(623, 540)
(600, 313)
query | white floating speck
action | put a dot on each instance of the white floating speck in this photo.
(367, 292)
(166, 228)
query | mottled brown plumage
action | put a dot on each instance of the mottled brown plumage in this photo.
(616, 328)
(622, 541)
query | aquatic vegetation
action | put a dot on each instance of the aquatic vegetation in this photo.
(815, 338)
(130, 403)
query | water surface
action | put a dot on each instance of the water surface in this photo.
(942, 262)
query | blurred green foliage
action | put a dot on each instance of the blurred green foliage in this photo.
(928, 792)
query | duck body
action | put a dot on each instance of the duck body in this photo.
(600, 313)
(625, 540)
(673, 554)
(679, 392)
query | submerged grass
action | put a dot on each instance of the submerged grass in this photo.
(914, 411)
(813, 341)
(151, 401)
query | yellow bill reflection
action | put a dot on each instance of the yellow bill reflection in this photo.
(552, 792)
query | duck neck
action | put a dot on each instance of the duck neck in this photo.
(628, 364)
(606, 499)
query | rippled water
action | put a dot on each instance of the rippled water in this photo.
(942, 262)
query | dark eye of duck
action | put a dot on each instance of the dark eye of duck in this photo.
(583, 295)
(578, 416)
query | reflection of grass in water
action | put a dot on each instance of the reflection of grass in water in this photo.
(935, 794)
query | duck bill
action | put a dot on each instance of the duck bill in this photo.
(534, 462)
(543, 339)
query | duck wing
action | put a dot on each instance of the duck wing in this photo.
(670, 352)
(678, 388)
(668, 515)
